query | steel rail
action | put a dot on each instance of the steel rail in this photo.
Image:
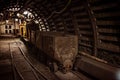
(13, 65)
(34, 69)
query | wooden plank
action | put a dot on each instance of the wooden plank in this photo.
(101, 22)
(108, 38)
(84, 26)
(105, 30)
(79, 10)
(86, 38)
(80, 14)
(109, 47)
(86, 45)
(83, 23)
(83, 20)
(87, 55)
(86, 32)
(61, 28)
(104, 15)
(109, 5)
(76, 8)
(70, 29)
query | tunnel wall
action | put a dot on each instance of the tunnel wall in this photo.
(96, 22)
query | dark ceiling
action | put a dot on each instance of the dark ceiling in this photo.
(39, 7)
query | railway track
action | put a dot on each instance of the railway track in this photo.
(14, 69)
(34, 71)
(74, 75)
(40, 69)
(19, 58)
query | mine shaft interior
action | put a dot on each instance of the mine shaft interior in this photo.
(59, 39)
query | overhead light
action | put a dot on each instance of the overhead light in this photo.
(48, 30)
(25, 12)
(27, 19)
(1, 14)
(36, 15)
(16, 19)
(36, 21)
(10, 9)
(7, 21)
(40, 20)
(47, 26)
(18, 14)
(16, 9)
(13, 9)
(29, 13)
(42, 25)
(30, 9)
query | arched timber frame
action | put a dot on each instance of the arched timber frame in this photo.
(96, 22)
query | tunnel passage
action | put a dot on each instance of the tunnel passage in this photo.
(95, 22)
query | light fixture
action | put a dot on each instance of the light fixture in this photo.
(16, 9)
(18, 14)
(36, 15)
(36, 21)
(1, 14)
(16, 19)
(29, 13)
(48, 30)
(43, 27)
(25, 12)
(10, 9)
(7, 21)
(40, 20)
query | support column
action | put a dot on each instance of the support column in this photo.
(94, 25)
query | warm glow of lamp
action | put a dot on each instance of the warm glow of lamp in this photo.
(25, 12)
(7, 21)
(18, 14)
(16, 19)
(36, 21)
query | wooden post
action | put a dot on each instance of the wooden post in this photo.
(94, 25)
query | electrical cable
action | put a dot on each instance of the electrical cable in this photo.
(55, 12)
